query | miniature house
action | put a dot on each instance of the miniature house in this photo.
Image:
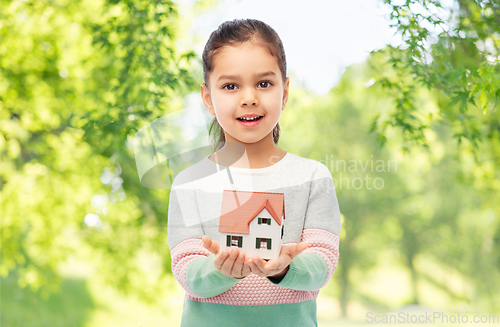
(252, 222)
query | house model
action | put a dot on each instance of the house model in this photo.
(252, 222)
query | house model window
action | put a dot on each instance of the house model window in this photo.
(263, 243)
(253, 222)
(264, 221)
(234, 241)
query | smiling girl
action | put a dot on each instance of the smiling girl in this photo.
(246, 89)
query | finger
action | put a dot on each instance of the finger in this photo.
(256, 270)
(215, 247)
(227, 266)
(220, 259)
(254, 267)
(302, 246)
(238, 265)
(298, 248)
(272, 264)
(207, 242)
(246, 269)
(210, 245)
(260, 263)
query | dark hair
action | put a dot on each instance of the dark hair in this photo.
(236, 32)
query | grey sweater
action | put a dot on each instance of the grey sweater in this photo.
(312, 215)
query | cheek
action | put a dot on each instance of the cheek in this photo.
(222, 112)
(222, 104)
(273, 104)
(276, 96)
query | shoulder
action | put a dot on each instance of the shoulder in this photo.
(310, 167)
(187, 177)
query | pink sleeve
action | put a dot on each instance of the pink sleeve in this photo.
(326, 245)
(183, 254)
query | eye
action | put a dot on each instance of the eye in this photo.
(267, 83)
(229, 87)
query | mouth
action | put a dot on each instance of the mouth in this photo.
(250, 121)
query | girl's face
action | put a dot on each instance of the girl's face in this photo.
(246, 93)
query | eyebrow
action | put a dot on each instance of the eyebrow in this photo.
(237, 76)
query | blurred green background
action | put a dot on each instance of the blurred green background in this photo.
(411, 137)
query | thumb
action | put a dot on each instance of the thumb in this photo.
(210, 245)
(297, 249)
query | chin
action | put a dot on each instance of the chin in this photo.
(256, 140)
(250, 139)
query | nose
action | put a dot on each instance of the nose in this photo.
(249, 97)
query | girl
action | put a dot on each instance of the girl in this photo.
(246, 89)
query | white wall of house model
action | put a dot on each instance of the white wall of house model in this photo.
(263, 240)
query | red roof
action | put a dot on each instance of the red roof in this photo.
(239, 208)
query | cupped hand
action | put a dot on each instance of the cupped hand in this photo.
(230, 264)
(276, 267)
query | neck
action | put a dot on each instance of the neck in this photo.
(261, 154)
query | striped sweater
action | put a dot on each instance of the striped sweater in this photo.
(312, 215)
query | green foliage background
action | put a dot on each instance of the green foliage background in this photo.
(80, 77)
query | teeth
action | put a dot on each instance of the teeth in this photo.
(249, 119)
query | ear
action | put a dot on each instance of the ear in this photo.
(207, 99)
(285, 93)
